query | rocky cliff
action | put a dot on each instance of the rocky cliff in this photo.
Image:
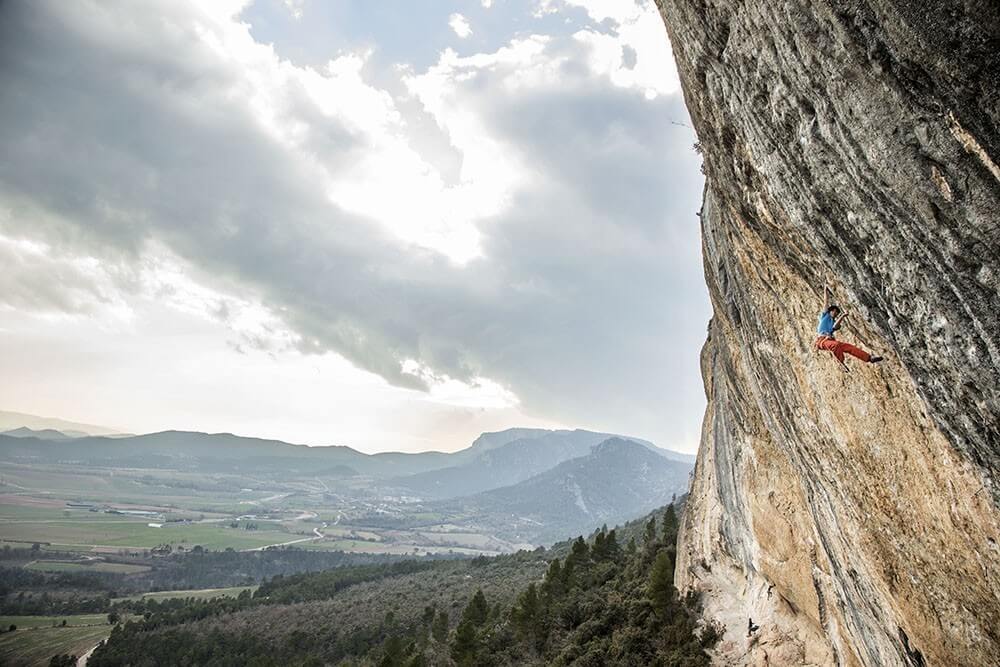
(854, 517)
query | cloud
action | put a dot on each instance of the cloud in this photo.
(295, 7)
(460, 25)
(36, 278)
(556, 265)
(636, 51)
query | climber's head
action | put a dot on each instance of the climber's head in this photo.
(833, 310)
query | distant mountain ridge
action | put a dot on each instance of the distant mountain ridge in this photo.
(15, 420)
(216, 452)
(507, 456)
(43, 434)
(617, 480)
(497, 465)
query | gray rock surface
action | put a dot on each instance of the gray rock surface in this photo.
(853, 516)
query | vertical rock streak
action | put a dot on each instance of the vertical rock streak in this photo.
(853, 517)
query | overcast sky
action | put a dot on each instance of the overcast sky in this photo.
(391, 224)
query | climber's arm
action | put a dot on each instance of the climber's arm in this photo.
(841, 318)
(826, 297)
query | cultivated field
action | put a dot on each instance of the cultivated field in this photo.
(85, 566)
(197, 594)
(131, 511)
(35, 646)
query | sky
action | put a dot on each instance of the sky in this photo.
(391, 225)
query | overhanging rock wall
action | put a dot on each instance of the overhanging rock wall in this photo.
(854, 517)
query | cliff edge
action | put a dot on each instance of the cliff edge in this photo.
(854, 517)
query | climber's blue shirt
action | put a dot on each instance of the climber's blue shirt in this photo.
(825, 327)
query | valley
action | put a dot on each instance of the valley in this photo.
(179, 492)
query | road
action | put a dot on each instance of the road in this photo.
(82, 660)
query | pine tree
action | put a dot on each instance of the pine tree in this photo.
(392, 653)
(649, 536)
(569, 573)
(478, 610)
(553, 585)
(670, 525)
(465, 645)
(661, 583)
(526, 611)
(440, 627)
(611, 549)
(580, 551)
(598, 552)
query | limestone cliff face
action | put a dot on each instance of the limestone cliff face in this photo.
(853, 516)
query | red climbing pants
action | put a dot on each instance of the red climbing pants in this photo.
(839, 348)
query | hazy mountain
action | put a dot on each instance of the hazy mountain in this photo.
(42, 434)
(492, 440)
(15, 420)
(506, 458)
(492, 461)
(618, 480)
(222, 452)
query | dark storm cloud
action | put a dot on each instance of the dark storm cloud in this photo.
(120, 128)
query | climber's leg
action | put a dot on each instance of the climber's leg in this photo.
(841, 348)
(831, 345)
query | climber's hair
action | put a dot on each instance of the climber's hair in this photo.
(833, 307)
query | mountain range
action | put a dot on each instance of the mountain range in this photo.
(617, 480)
(522, 485)
(17, 420)
(493, 460)
(503, 464)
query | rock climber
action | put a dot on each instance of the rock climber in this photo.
(829, 322)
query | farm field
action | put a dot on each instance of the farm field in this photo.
(31, 647)
(137, 534)
(197, 594)
(94, 510)
(72, 620)
(137, 487)
(85, 566)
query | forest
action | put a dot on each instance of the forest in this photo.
(608, 599)
(30, 591)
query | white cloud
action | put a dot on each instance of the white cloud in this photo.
(487, 3)
(460, 25)
(295, 7)
(288, 206)
(638, 27)
(38, 277)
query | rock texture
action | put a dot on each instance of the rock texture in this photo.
(854, 517)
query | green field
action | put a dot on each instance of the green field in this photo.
(72, 620)
(120, 532)
(85, 566)
(196, 509)
(174, 489)
(202, 594)
(35, 646)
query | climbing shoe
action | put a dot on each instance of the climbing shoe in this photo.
(874, 360)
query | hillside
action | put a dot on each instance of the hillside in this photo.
(619, 479)
(585, 602)
(854, 516)
(506, 463)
